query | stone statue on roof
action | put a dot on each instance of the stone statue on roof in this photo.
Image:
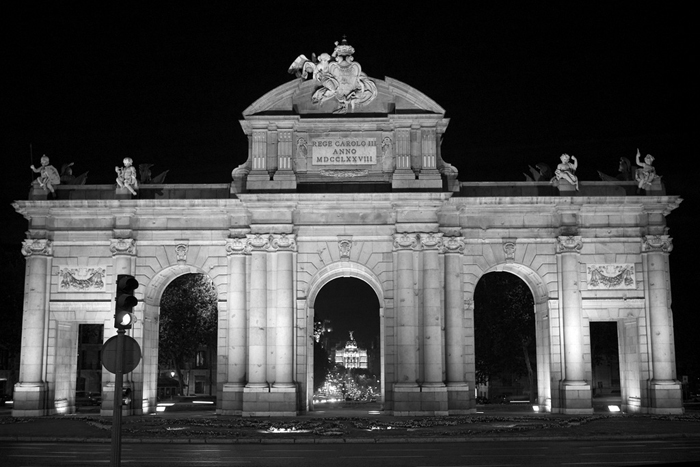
(48, 175)
(126, 176)
(646, 173)
(566, 170)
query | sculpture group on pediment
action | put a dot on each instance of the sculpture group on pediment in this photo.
(342, 79)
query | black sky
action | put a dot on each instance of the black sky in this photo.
(94, 82)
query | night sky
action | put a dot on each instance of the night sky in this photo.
(94, 82)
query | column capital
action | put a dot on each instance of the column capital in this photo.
(122, 246)
(453, 244)
(431, 241)
(283, 242)
(405, 241)
(569, 244)
(37, 247)
(657, 243)
(237, 246)
(257, 242)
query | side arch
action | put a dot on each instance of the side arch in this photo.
(324, 276)
(540, 295)
(153, 293)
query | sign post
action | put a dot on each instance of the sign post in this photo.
(115, 460)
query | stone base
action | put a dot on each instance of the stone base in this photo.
(459, 400)
(420, 401)
(285, 180)
(122, 193)
(565, 188)
(231, 400)
(269, 402)
(29, 400)
(406, 180)
(665, 397)
(576, 398)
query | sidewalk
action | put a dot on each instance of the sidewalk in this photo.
(357, 424)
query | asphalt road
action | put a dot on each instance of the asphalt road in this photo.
(492, 453)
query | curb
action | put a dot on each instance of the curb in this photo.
(402, 440)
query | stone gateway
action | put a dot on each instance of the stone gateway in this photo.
(345, 179)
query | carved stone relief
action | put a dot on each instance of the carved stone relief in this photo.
(611, 276)
(82, 279)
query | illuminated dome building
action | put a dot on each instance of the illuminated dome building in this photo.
(350, 356)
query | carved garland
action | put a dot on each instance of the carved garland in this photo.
(82, 279)
(611, 276)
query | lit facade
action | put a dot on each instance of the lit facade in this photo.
(342, 186)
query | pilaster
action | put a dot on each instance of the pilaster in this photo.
(664, 389)
(30, 392)
(575, 391)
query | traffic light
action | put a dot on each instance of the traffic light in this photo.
(125, 301)
(126, 396)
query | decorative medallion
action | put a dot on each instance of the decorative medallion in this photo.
(344, 246)
(122, 246)
(661, 243)
(611, 276)
(569, 244)
(509, 249)
(82, 279)
(342, 79)
(37, 247)
(181, 250)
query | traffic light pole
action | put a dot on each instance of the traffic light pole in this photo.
(115, 460)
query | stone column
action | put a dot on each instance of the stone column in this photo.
(236, 252)
(257, 322)
(576, 391)
(284, 295)
(665, 390)
(432, 310)
(30, 391)
(406, 319)
(457, 387)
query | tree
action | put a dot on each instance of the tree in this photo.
(188, 320)
(504, 322)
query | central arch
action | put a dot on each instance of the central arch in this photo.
(345, 269)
